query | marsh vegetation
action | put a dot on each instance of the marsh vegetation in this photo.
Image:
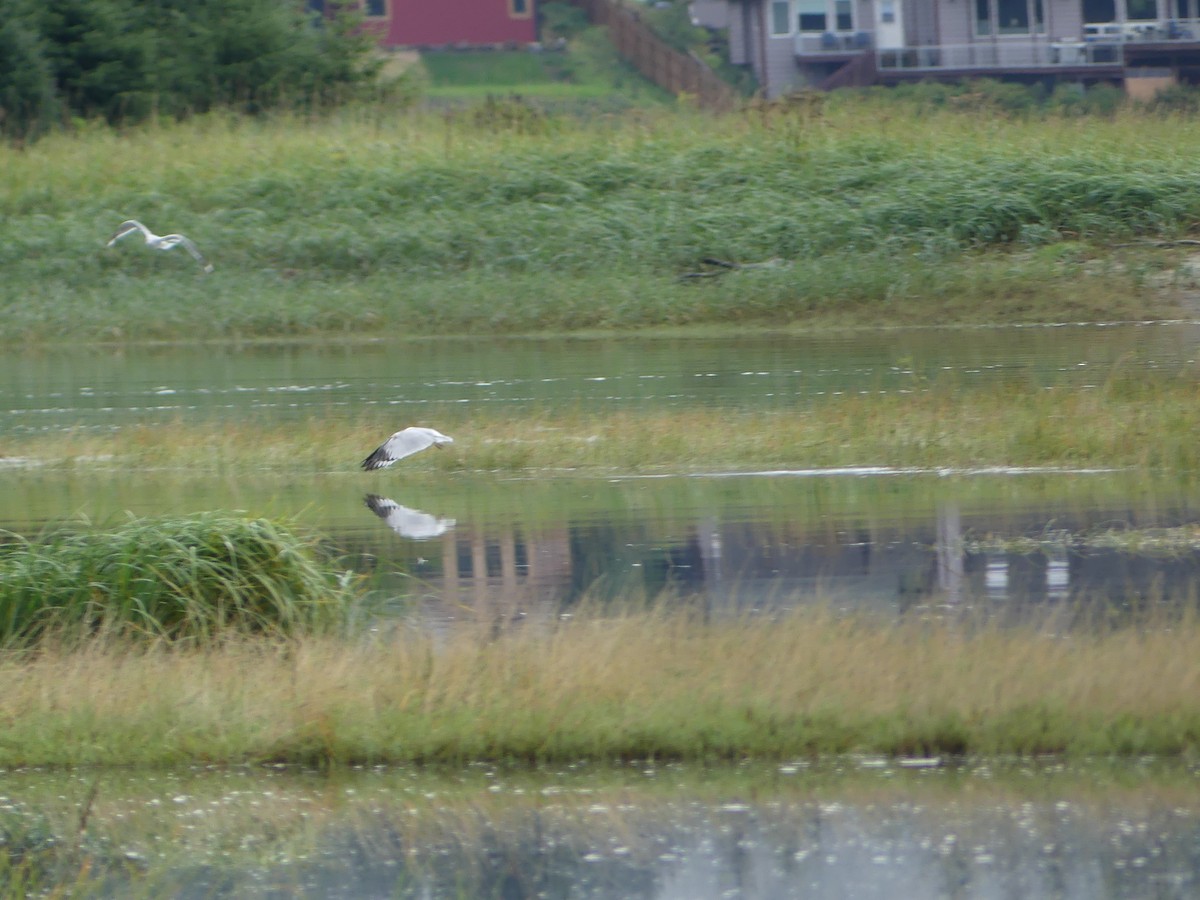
(370, 222)
(377, 223)
(652, 683)
(934, 426)
(192, 579)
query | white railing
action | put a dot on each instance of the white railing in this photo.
(814, 44)
(1167, 30)
(1002, 55)
(1101, 45)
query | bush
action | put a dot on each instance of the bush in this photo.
(562, 21)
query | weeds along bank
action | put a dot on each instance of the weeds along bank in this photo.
(602, 687)
(1014, 424)
(214, 638)
(375, 222)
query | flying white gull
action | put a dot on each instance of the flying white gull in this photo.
(404, 443)
(160, 242)
(409, 523)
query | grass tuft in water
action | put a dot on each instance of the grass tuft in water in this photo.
(191, 578)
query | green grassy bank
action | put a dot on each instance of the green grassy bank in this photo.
(502, 219)
(642, 685)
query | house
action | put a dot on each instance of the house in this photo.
(1144, 45)
(447, 23)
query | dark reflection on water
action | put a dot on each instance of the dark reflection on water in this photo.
(485, 546)
(480, 542)
(860, 829)
(731, 562)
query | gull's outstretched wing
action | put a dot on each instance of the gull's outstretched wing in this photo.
(409, 523)
(167, 241)
(129, 226)
(404, 443)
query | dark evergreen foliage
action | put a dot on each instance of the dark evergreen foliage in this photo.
(125, 60)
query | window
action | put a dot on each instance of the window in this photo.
(1010, 17)
(887, 12)
(1137, 10)
(781, 17)
(518, 9)
(375, 9)
(983, 18)
(1014, 16)
(812, 16)
(845, 20)
(1099, 10)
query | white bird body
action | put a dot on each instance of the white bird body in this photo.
(404, 443)
(160, 242)
(409, 523)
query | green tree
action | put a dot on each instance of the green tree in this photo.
(126, 59)
(28, 100)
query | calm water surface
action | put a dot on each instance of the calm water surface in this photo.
(860, 828)
(506, 548)
(53, 389)
(860, 536)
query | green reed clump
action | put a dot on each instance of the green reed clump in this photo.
(180, 578)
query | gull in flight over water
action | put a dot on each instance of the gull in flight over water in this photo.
(160, 242)
(404, 443)
(409, 523)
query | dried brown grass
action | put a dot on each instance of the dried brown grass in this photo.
(639, 685)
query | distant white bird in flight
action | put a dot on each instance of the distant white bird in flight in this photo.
(409, 523)
(160, 242)
(404, 443)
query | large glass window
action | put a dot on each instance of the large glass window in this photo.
(1014, 16)
(845, 19)
(1138, 10)
(781, 17)
(811, 15)
(983, 17)
(1099, 10)
(1010, 17)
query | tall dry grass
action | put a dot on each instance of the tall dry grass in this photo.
(640, 685)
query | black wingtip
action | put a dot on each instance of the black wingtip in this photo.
(376, 460)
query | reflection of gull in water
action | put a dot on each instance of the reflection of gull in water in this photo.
(160, 242)
(409, 523)
(404, 443)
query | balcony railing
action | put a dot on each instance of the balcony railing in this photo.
(814, 44)
(1102, 44)
(1007, 55)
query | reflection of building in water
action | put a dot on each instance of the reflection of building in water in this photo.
(740, 566)
(504, 572)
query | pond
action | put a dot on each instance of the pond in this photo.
(503, 548)
(864, 537)
(859, 828)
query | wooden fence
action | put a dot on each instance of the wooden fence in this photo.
(656, 59)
